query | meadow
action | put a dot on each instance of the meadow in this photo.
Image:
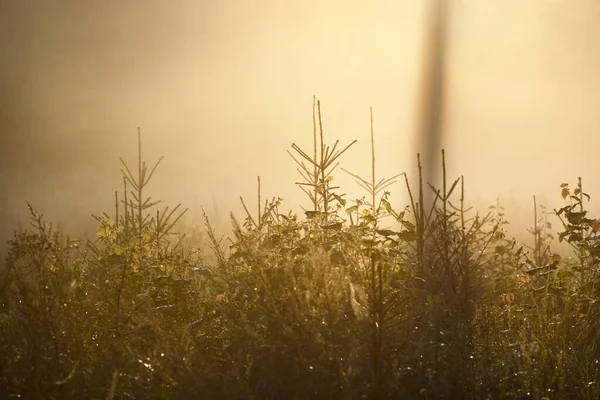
(353, 299)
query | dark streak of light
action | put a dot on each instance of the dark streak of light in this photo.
(431, 106)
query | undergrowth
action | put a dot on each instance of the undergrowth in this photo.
(356, 299)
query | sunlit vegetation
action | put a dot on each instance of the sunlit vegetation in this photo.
(354, 299)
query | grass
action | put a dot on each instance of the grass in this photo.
(351, 300)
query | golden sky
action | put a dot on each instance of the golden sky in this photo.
(223, 88)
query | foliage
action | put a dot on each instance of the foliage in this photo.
(354, 300)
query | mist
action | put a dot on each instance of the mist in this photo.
(222, 90)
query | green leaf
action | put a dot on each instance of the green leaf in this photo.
(301, 250)
(368, 218)
(408, 225)
(352, 209)
(386, 232)
(408, 236)
(387, 206)
(339, 199)
(118, 250)
(575, 218)
(564, 209)
(400, 217)
(103, 231)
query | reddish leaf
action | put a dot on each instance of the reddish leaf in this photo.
(596, 226)
(510, 297)
(565, 193)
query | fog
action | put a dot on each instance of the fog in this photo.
(223, 88)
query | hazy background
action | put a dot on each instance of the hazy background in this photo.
(223, 88)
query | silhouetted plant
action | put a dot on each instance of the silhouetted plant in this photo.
(438, 305)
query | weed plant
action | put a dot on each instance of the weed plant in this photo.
(353, 300)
